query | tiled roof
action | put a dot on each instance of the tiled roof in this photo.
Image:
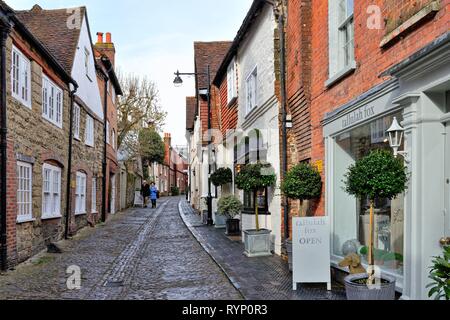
(55, 29)
(212, 54)
(191, 106)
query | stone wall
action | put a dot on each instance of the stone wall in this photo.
(36, 141)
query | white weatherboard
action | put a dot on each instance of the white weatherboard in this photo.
(311, 251)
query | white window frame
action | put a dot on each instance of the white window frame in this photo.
(21, 77)
(113, 139)
(76, 121)
(341, 40)
(24, 192)
(89, 131)
(52, 102)
(231, 81)
(80, 194)
(108, 139)
(87, 62)
(251, 89)
(94, 195)
(51, 192)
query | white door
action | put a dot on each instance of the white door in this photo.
(446, 236)
(113, 194)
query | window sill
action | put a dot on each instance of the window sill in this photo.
(59, 126)
(25, 220)
(81, 214)
(340, 75)
(77, 139)
(51, 217)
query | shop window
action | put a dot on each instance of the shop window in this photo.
(351, 216)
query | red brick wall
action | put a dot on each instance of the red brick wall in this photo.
(370, 58)
(11, 204)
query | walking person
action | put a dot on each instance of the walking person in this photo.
(145, 191)
(153, 194)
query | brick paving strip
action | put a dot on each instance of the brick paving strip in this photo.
(265, 278)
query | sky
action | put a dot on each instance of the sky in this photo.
(155, 38)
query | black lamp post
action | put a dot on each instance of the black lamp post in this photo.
(178, 82)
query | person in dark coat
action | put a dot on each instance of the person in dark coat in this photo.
(145, 191)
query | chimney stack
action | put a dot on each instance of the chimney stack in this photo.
(106, 47)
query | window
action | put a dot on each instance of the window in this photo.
(94, 195)
(52, 102)
(351, 216)
(231, 81)
(80, 194)
(87, 56)
(21, 77)
(107, 133)
(89, 134)
(113, 139)
(24, 192)
(341, 38)
(251, 87)
(76, 121)
(51, 185)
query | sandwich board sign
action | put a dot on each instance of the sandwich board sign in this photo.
(311, 251)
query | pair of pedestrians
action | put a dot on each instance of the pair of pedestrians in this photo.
(149, 191)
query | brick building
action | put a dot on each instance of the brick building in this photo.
(37, 101)
(109, 86)
(375, 62)
(206, 54)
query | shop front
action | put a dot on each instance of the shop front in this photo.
(412, 228)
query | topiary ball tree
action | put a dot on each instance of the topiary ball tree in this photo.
(229, 206)
(254, 177)
(222, 177)
(376, 176)
(302, 182)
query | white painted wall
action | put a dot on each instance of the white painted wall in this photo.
(258, 51)
(88, 90)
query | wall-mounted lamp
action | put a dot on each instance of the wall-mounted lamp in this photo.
(396, 135)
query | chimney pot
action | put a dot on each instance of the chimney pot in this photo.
(99, 37)
(108, 37)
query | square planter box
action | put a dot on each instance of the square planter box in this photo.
(257, 243)
(220, 222)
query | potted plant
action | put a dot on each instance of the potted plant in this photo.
(252, 178)
(229, 207)
(302, 182)
(440, 274)
(220, 178)
(379, 175)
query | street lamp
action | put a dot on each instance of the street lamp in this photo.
(178, 82)
(396, 134)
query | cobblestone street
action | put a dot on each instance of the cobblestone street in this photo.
(138, 255)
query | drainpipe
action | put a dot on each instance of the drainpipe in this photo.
(105, 145)
(69, 165)
(282, 35)
(6, 28)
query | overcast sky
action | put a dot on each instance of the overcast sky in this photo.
(155, 38)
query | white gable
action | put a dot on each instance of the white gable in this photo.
(88, 90)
